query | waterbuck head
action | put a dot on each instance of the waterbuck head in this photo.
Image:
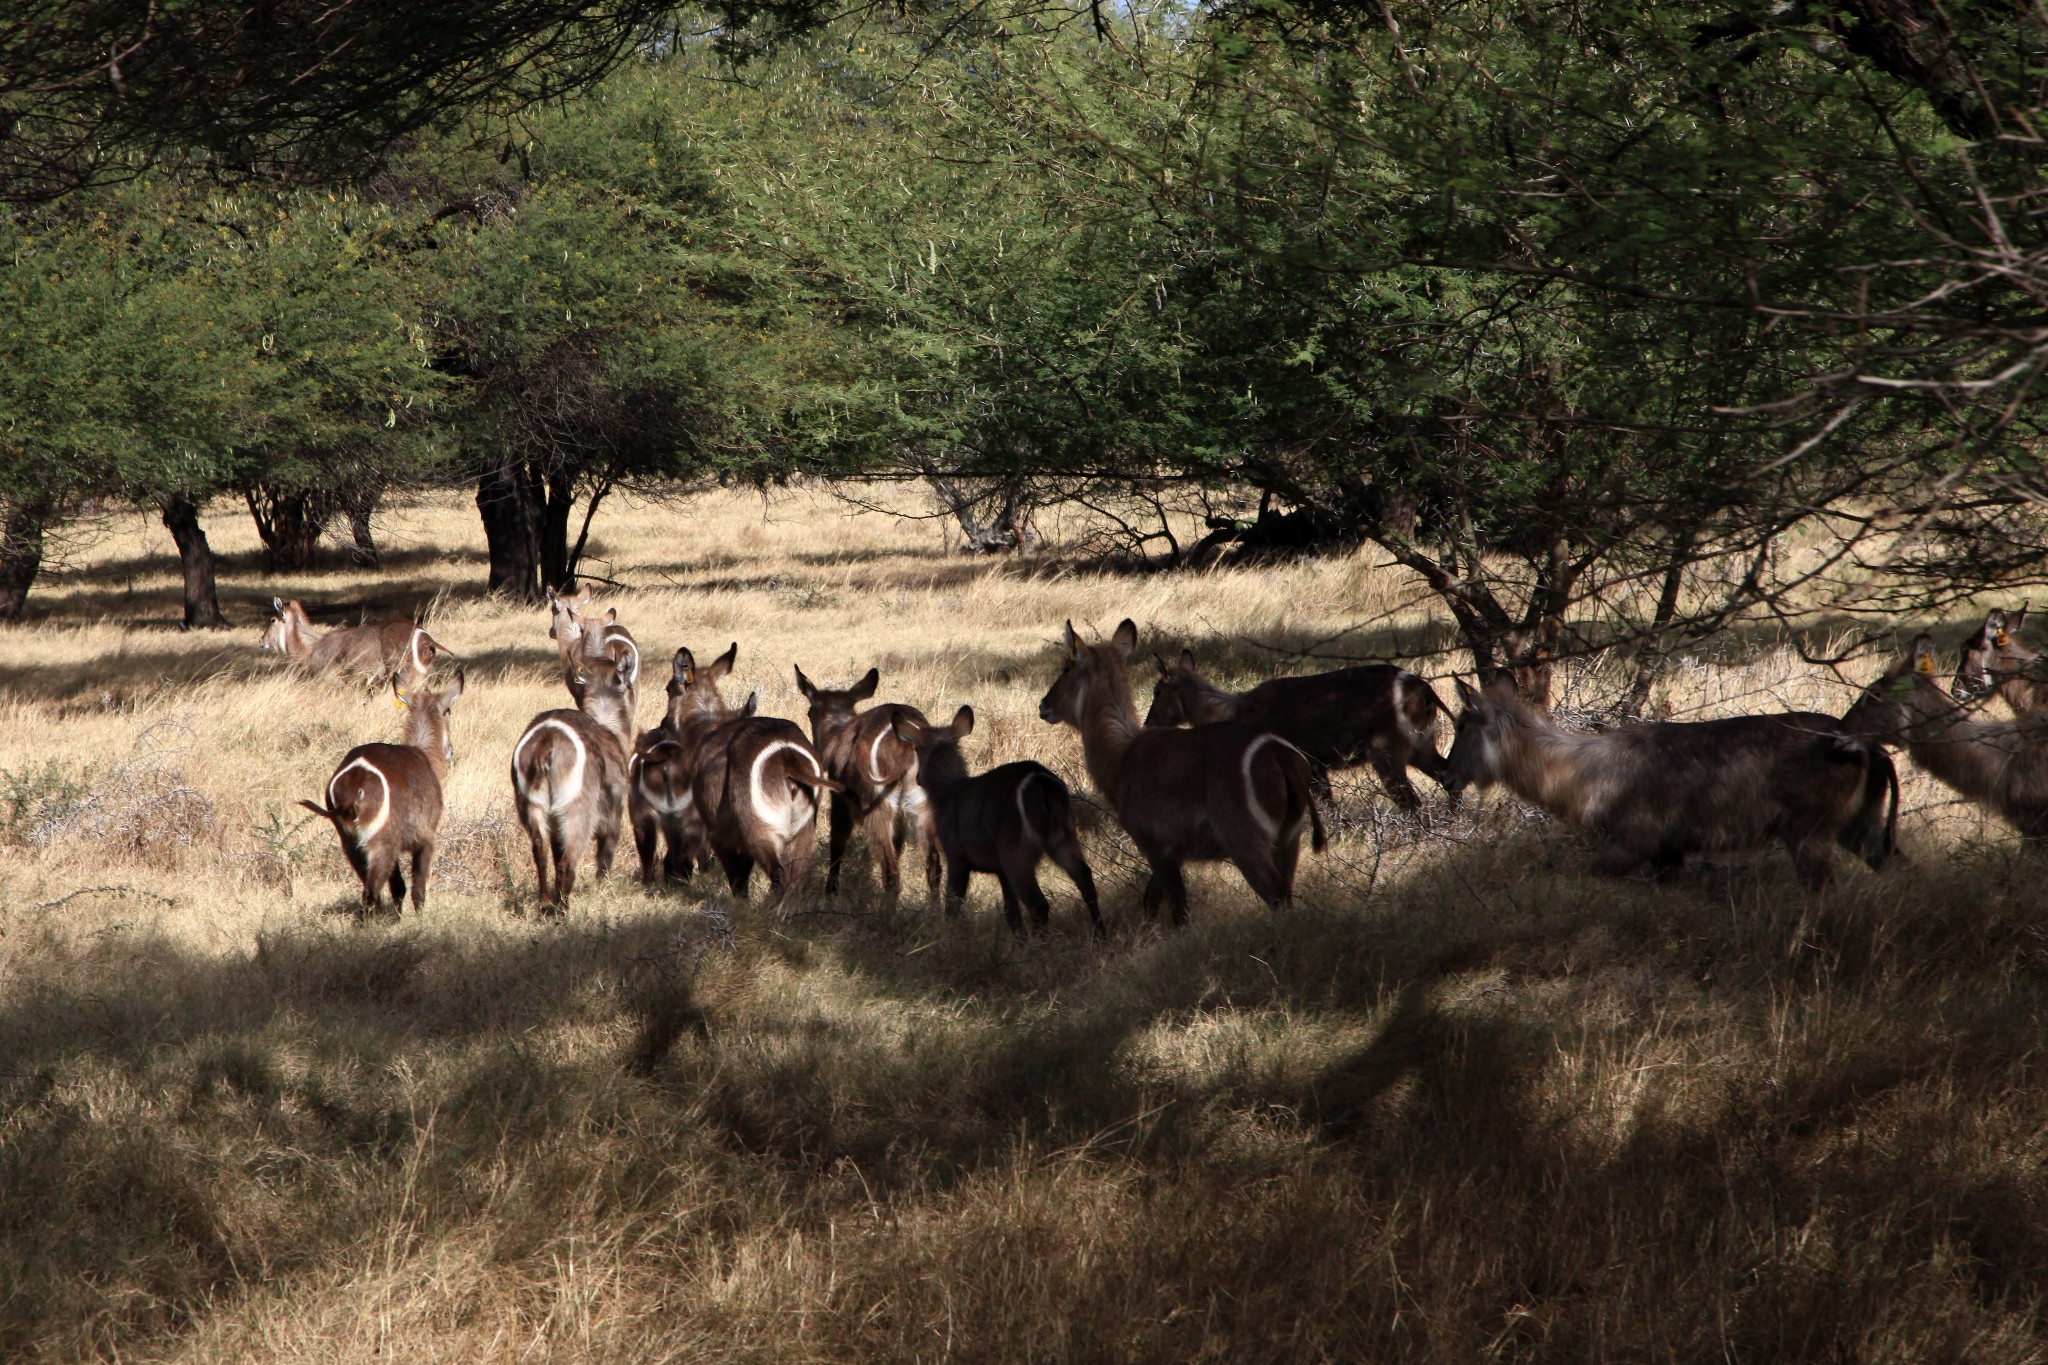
(427, 715)
(1088, 672)
(565, 616)
(1479, 741)
(692, 689)
(1169, 691)
(832, 709)
(1901, 698)
(937, 746)
(278, 630)
(1992, 655)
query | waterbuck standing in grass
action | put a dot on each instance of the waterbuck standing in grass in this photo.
(385, 799)
(2001, 765)
(1377, 714)
(757, 789)
(389, 649)
(1650, 794)
(1003, 821)
(578, 636)
(1994, 660)
(878, 773)
(1230, 790)
(661, 774)
(569, 779)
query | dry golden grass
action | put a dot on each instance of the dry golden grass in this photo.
(1464, 1103)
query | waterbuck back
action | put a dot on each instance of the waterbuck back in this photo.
(1994, 660)
(758, 786)
(1651, 794)
(569, 779)
(384, 800)
(1376, 713)
(877, 772)
(1228, 790)
(2000, 765)
(1002, 822)
(385, 650)
(660, 795)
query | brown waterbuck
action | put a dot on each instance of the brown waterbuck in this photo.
(579, 635)
(385, 799)
(1003, 821)
(1650, 794)
(877, 774)
(1994, 660)
(661, 774)
(388, 649)
(569, 779)
(1377, 714)
(1230, 790)
(757, 788)
(1999, 765)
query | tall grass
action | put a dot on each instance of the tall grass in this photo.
(1464, 1103)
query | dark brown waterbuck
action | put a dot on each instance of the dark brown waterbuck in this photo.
(757, 788)
(2000, 765)
(1226, 791)
(1378, 714)
(1002, 822)
(385, 799)
(877, 773)
(1651, 794)
(388, 649)
(569, 779)
(661, 774)
(1994, 661)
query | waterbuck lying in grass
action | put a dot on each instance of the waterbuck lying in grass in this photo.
(1377, 714)
(878, 773)
(390, 649)
(1650, 794)
(1003, 821)
(1994, 660)
(757, 789)
(385, 799)
(661, 774)
(1230, 790)
(2002, 765)
(569, 779)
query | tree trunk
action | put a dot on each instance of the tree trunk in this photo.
(361, 505)
(21, 553)
(202, 600)
(290, 523)
(504, 496)
(555, 569)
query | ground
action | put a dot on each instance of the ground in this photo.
(1463, 1102)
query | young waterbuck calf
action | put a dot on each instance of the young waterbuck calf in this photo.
(663, 769)
(1652, 793)
(1999, 765)
(1230, 790)
(1377, 714)
(1994, 660)
(569, 779)
(757, 789)
(385, 799)
(877, 770)
(1003, 821)
(389, 649)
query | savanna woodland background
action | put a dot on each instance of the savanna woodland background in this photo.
(1697, 345)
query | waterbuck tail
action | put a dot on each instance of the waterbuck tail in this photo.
(319, 810)
(1317, 839)
(1891, 819)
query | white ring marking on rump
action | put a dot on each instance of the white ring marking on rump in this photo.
(794, 815)
(1251, 793)
(560, 794)
(364, 833)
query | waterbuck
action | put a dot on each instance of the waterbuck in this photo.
(662, 771)
(1650, 794)
(1377, 714)
(569, 779)
(388, 649)
(1231, 790)
(385, 799)
(1999, 765)
(757, 789)
(1994, 660)
(579, 635)
(878, 774)
(1003, 821)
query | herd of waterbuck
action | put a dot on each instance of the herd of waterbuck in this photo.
(1240, 783)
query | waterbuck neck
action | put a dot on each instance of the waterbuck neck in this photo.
(610, 708)
(1204, 703)
(298, 634)
(426, 729)
(1545, 765)
(1109, 721)
(940, 767)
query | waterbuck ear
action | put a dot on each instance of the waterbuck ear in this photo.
(1071, 641)
(397, 693)
(1502, 683)
(804, 686)
(751, 705)
(611, 617)
(685, 661)
(1921, 657)
(907, 730)
(963, 722)
(1187, 660)
(865, 688)
(2019, 619)
(722, 665)
(277, 607)
(448, 697)
(1126, 637)
(1160, 664)
(1468, 694)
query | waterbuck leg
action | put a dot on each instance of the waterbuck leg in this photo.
(1813, 858)
(1287, 858)
(928, 835)
(541, 875)
(1021, 871)
(675, 860)
(646, 835)
(1011, 912)
(1167, 877)
(1617, 860)
(1261, 874)
(607, 848)
(739, 870)
(957, 873)
(841, 831)
(1064, 849)
(879, 825)
(1393, 775)
(422, 864)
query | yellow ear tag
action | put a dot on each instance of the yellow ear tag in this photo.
(2000, 639)
(1925, 664)
(398, 698)
(689, 677)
